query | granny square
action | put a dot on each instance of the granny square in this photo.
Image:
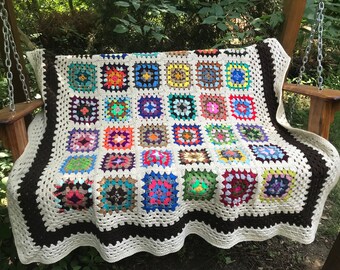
(115, 77)
(187, 135)
(182, 107)
(118, 161)
(117, 109)
(160, 192)
(209, 75)
(242, 107)
(153, 136)
(238, 76)
(252, 133)
(78, 164)
(82, 140)
(161, 158)
(116, 194)
(199, 185)
(232, 155)
(147, 75)
(269, 152)
(73, 194)
(178, 75)
(150, 107)
(238, 187)
(220, 134)
(82, 77)
(120, 138)
(213, 107)
(84, 110)
(193, 156)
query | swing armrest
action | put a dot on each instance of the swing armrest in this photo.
(21, 110)
(323, 106)
(312, 91)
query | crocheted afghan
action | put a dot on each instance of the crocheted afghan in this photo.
(134, 152)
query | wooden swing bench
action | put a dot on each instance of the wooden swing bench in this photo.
(323, 105)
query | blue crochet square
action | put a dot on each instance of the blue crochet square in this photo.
(147, 75)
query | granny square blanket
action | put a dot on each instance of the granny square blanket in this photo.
(134, 152)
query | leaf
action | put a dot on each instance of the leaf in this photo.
(204, 10)
(120, 29)
(122, 4)
(132, 19)
(218, 10)
(210, 20)
(158, 36)
(136, 4)
(222, 26)
(137, 28)
(146, 28)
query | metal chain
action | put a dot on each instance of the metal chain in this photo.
(9, 44)
(317, 27)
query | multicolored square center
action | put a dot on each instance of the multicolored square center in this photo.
(118, 161)
(78, 164)
(161, 158)
(116, 194)
(213, 107)
(194, 156)
(187, 135)
(233, 155)
(178, 75)
(115, 77)
(199, 185)
(182, 106)
(269, 152)
(119, 138)
(220, 134)
(252, 133)
(117, 109)
(147, 75)
(150, 107)
(238, 76)
(242, 107)
(82, 77)
(160, 192)
(209, 75)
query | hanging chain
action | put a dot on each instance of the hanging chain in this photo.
(317, 27)
(9, 44)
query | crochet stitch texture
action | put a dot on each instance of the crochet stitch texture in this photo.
(133, 152)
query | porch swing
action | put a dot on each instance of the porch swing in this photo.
(133, 152)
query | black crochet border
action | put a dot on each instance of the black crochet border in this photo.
(30, 206)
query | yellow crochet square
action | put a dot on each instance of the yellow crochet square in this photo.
(178, 75)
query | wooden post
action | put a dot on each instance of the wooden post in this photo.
(18, 90)
(293, 11)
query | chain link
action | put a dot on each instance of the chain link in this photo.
(9, 44)
(317, 27)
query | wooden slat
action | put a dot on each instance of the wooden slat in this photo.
(293, 11)
(312, 91)
(21, 110)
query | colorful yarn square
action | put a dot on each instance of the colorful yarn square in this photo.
(209, 75)
(150, 107)
(118, 161)
(161, 158)
(238, 187)
(116, 194)
(252, 133)
(269, 153)
(199, 185)
(220, 134)
(178, 75)
(84, 110)
(242, 107)
(147, 75)
(213, 107)
(188, 157)
(120, 138)
(153, 135)
(117, 109)
(182, 106)
(82, 140)
(208, 52)
(78, 164)
(160, 192)
(82, 77)
(277, 185)
(187, 135)
(115, 77)
(233, 155)
(73, 194)
(238, 76)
